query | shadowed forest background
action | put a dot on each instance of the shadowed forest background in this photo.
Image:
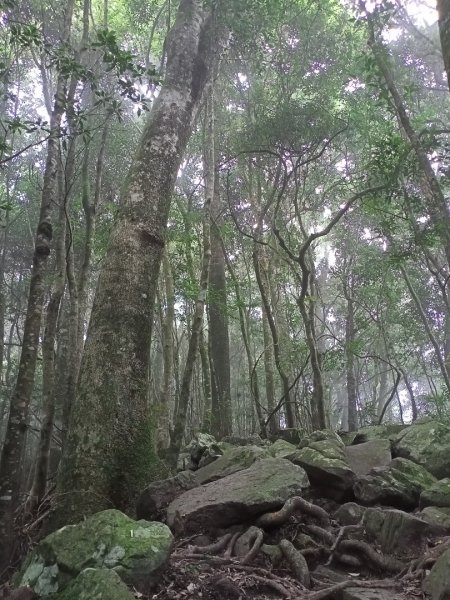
(228, 217)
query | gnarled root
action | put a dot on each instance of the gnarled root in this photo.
(321, 534)
(297, 562)
(280, 517)
(214, 548)
(382, 562)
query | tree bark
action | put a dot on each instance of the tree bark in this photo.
(110, 448)
(443, 7)
(10, 462)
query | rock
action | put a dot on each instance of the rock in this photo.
(349, 513)
(437, 582)
(95, 584)
(22, 593)
(251, 440)
(364, 457)
(325, 462)
(319, 436)
(438, 517)
(185, 462)
(210, 455)
(291, 435)
(388, 431)
(438, 494)
(108, 540)
(399, 485)
(397, 532)
(374, 593)
(198, 445)
(233, 460)
(239, 497)
(281, 449)
(159, 494)
(426, 443)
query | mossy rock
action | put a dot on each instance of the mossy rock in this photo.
(426, 443)
(281, 449)
(439, 516)
(325, 463)
(233, 460)
(95, 584)
(437, 582)
(321, 435)
(437, 494)
(109, 540)
(388, 431)
(399, 485)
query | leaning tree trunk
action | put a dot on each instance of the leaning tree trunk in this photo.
(11, 463)
(110, 447)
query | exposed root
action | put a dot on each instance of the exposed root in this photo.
(275, 585)
(257, 535)
(323, 535)
(292, 505)
(231, 544)
(297, 562)
(381, 561)
(217, 546)
(330, 592)
(342, 533)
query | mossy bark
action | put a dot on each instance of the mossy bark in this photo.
(109, 455)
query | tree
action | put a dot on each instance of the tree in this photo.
(110, 447)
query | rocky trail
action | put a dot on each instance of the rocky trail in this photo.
(302, 519)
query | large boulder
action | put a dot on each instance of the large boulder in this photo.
(387, 431)
(399, 485)
(325, 462)
(158, 495)
(202, 446)
(281, 449)
(237, 498)
(437, 494)
(437, 582)
(397, 532)
(95, 584)
(364, 457)
(437, 516)
(108, 540)
(426, 443)
(233, 460)
(251, 440)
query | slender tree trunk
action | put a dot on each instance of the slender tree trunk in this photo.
(218, 334)
(10, 463)
(269, 374)
(110, 447)
(207, 378)
(350, 363)
(443, 7)
(198, 318)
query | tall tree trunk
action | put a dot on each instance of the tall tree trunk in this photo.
(352, 414)
(10, 462)
(443, 7)
(197, 321)
(269, 375)
(218, 333)
(110, 447)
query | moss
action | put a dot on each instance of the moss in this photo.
(95, 584)
(108, 539)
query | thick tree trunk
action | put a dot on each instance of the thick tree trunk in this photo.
(110, 447)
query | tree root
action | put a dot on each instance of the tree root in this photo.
(257, 535)
(342, 532)
(323, 535)
(330, 592)
(281, 516)
(297, 562)
(215, 547)
(231, 544)
(381, 561)
(278, 587)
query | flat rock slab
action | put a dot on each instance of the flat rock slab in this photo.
(233, 460)
(237, 498)
(364, 457)
(357, 593)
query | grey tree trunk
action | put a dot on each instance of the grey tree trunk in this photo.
(10, 462)
(443, 7)
(110, 453)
